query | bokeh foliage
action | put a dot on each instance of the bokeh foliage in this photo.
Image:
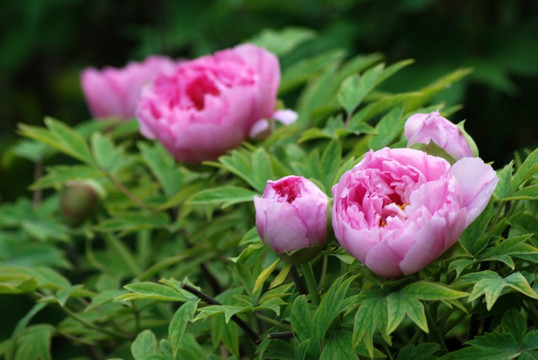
(45, 44)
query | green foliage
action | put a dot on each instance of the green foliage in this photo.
(170, 265)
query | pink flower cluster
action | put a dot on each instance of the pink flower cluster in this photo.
(396, 211)
(197, 109)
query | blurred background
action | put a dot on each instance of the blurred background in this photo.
(44, 44)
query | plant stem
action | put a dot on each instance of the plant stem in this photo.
(272, 321)
(435, 333)
(280, 335)
(311, 284)
(323, 271)
(208, 299)
(127, 192)
(298, 282)
(91, 325)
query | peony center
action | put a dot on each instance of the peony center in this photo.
(198, 88)
(287, 189)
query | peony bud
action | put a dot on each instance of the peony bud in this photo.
(423, 128)
(78, 201)
(292, 216)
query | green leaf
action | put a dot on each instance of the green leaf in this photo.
(106, 155)
(261, 167)
(306, 69)
(301, 319)
(59, 175)
(144, 345)
(505, 249)
(338, 346)
(133, 221)
(283, 41)
(378, 106)
(491, 285)
(514, 323)
(34, 343)
(72, 142)
(372, 314)
(178, 324)
(264, 275)
(227, 195)
(399, 305)
(163, 166)
(281, 277)
(149, 290)
(330, 162)
(423, 351)
(227, 333)
(525, 170)
(505, 181)
(423, 290)
(472, 238)
(333, 303)
(493, 346)
(527, 193)
(388, 127)
(355, 88)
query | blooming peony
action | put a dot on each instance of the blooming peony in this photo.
(115, 92)
(423, 128)
(209, 105)
(292, 214)
(399, 209)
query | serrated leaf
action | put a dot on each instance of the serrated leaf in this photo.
(178, 324)
(144, 344)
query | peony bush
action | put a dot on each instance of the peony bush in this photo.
(361, 224)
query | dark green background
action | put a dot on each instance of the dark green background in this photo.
(44, 45)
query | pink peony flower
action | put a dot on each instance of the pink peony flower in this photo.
(292, 214)
(208, 105)
(399, 209)
(115, 92)
(423, 128)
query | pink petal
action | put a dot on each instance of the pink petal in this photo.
(477, 182)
